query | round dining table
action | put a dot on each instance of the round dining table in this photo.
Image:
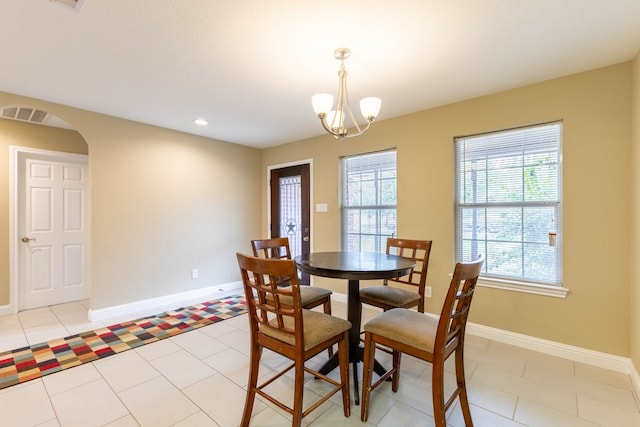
(354, 266)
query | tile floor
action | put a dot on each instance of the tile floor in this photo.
(198, 379)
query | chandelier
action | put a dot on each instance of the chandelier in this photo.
(333, 121)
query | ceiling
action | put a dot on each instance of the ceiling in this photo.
(249, 67)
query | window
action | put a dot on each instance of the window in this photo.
(508, 203)
(369, 201)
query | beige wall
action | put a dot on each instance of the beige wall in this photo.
(635, 197)
(32, 136)
(595, 109)
(162, 203)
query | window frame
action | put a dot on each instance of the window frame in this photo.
(346, 208)
(525, 284)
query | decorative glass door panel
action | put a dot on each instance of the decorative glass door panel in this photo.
(290, 212)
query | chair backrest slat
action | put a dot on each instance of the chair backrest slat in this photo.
(455, 310)
(416, 250)
(276, 247)
(269, 304)
(273, 248)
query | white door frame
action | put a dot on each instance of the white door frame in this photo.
(15, 153)
(311, 209)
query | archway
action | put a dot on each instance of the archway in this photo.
(28, 130)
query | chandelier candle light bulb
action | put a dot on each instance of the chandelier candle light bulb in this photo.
(333, 121)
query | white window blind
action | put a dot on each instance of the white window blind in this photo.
(369, 201)
(508, 202)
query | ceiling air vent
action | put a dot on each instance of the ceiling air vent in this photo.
(25, 114)
(74, 4)
(32, 115)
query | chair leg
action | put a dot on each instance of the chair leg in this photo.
(256, 353)
(437, 387)
(367, 373)
(298, 392)
(343, 356)
(395, 377)
(327, 310)
(462, 385)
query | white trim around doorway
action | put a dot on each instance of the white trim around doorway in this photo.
(15, 152)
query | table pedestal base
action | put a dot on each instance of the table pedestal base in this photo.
(355, 355)
(356, 351)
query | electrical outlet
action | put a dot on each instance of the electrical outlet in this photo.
(427, 291)
(194, 273)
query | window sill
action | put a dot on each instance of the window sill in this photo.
(526, 287)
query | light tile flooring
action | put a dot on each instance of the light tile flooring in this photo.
(198, 379)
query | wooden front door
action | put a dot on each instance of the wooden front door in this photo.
(291, 208)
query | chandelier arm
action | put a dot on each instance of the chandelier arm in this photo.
(343, 133)
(343, 101)
(352, 117)
(360, 132)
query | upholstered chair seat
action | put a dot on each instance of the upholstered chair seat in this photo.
(388, 295)
(318, 328)
(406, 326)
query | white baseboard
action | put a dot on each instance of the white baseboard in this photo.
(577, 354)
(150, 306)
(6, 309)
(635, 379)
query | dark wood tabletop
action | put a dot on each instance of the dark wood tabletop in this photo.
(354, 265)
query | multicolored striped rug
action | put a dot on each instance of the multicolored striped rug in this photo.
(35, 361)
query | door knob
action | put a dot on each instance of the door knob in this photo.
(27, 239)
(305, 238)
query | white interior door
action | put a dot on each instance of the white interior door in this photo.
(53, 229)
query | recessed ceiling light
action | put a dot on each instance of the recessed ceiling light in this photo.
(200, 122)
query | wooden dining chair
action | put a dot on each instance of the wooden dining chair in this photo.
(428, 338)
(278, 248)
(278, 322)
(388, 297)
